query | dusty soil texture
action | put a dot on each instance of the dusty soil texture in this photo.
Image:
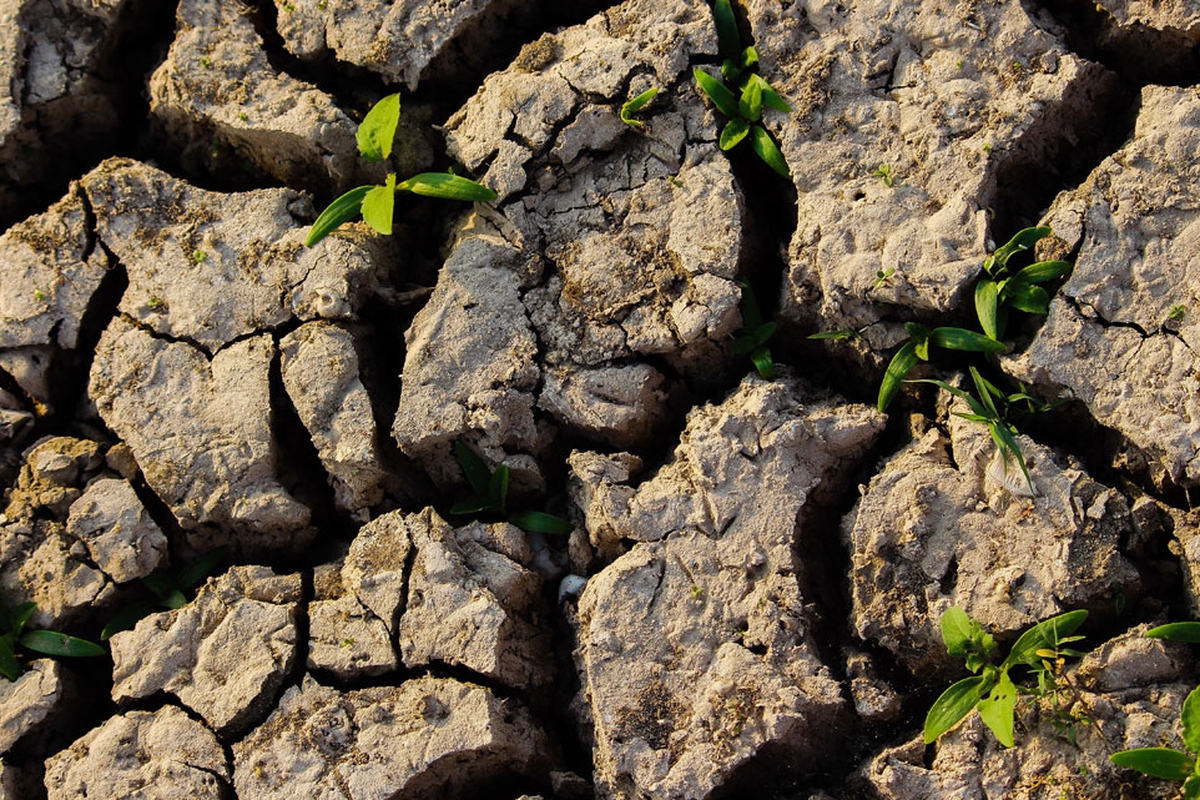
(749, 601)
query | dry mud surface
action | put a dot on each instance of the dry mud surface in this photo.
(748, 604)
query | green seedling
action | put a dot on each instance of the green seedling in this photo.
(884, 173)
(882, 276)
(377, 203)
(844, 333)
(168, 590)
(917, 349)
(1000, 290)
(743, 93)
(14, 639)
(989, 406)
(1188, 632)
(199, 256)
(491, 496)
(992, 689)
(755, 334)
(634, 105)
(1177, 313)
(39, 295)
(1166, 762)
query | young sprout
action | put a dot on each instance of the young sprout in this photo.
(199, 256)
(884, 173)
(634, 105)
(999, 290)
(14, 639)
(755, 335)
(1177, 313)
(881, 276)
(491, 496)
(377, 203)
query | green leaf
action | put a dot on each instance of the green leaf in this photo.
(378, 129)
(772, 98)
(476, 472)
(1157, 762)
(126, 619)
(498, 488)
(763, 363)
(19, 616)
(844, 333)
(987, 298)
(1048, 633)
(734, 131)
(754, 339)
(634, 105)
(1030, 299)
(60, 644)
(768, 151)
(751, 315)
(1042, 271)
(957, 630)
(1023, 240)
(900, 365)
(986, 392)
(1191, 787)
(953, 704)
(729, 42)
(1189, 720)
(379, 205)
(9, 666)
(1007, 443)
(199, 568)
(963, 339)
(749, 58)
(473, 506)
(997, 709)
(447, 187)
(340, 211)
(1177, 632)
(717, 92)
(540, 522)
(750, 103)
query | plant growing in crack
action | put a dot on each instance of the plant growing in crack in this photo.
(15, 641)
(755, 334)
(169, 590)
(1001, 289)
(992, 689)
(491, 496)
(377, 203)
(1167, 762)
(742, 94)
(635, 104)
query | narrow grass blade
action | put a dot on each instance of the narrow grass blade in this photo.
(540, 522)
(447, 187)
(844, 333)
(498, 488)
(900, 365)
(472, 506)
(378, 129)
(340, 211)
(1045, 634)
(1007, 443)
(60, 644)
(768, 151)
(634, 105)
(1157, 762)
(763, 363)
(379, 205)
(953, 704)
(476, 472)
(1177, 632)
(717, 92)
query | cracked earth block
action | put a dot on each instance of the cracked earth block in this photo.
(224, 655)
(949, 97)
(166, 750)
(612, 251)
(29, 703)
(121, 538)
(927, 535)
(218, 85)
(426, 739)
(1109, 339)
(694, 648)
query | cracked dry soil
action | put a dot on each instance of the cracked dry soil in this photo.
(749, 603)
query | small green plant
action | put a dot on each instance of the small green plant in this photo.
(755, 335)
(1001, 290)
(155, 303)
(916, 349)
(1169, 763)
(491, 496)
(206, 62)
(14, 639)
(884, 173)
(39, 295)
(377, 203)
(882, 276)
(199, 256)
(743, 93)
(992, 689)
(1177, 313)
(168, 590)
(634, 105)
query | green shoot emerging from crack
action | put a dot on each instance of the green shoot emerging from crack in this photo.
(1001, 290)
(377, 203)
(742, 94)
(1166, 762)
(634, 105)
(992, 690)
(170, 591)
(491, 496)
(755, 334)
(917, 349)
(14, 638)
